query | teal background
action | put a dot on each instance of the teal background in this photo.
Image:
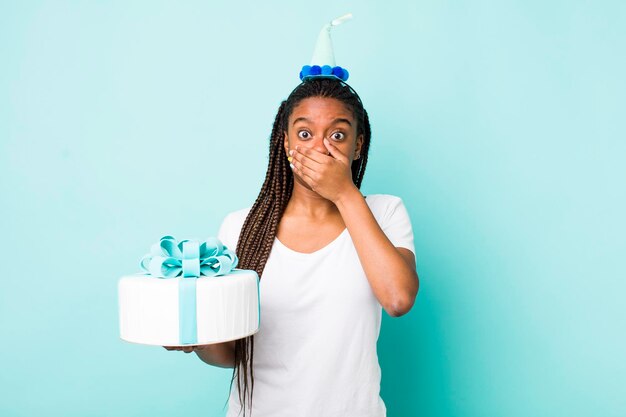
(500, 124)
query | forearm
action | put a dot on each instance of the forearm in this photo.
(392, 280)
(218, 354)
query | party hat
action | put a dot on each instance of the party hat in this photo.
(323, 61)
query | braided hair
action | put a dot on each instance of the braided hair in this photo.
(259, 229)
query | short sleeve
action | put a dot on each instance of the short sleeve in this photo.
(397, 224)
(225, 234)
(230, 229)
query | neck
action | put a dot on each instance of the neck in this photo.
(305, 202)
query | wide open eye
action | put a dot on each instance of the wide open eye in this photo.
(304, 134)
(337, 135)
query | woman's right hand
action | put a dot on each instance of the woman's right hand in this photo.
(187, 349)
(216, 354)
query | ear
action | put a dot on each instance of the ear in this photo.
(286, 143)
(359, 144)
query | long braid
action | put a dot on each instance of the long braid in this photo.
(358, 166)
(259, 229)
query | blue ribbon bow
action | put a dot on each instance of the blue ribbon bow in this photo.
(168, 258)
(191, 259)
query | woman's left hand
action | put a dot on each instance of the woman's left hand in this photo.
(328, 175)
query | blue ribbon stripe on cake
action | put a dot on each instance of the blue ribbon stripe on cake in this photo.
(188, 259)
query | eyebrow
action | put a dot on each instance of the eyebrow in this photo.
(338, 120)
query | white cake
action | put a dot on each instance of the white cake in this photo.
(227, 308)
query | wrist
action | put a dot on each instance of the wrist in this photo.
(347, 196)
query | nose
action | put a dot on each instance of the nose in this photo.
(319, 146)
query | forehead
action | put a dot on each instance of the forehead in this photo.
(321, 109)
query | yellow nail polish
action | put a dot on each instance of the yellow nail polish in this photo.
(289, 159)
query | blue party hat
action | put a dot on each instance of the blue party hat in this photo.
(323, 61)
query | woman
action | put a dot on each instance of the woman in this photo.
(328, 260)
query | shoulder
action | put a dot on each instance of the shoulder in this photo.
(382, 199)
(236, 218)
(231, 226)
(382, 205)
(394, 219)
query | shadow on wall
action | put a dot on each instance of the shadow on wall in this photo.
(411, 348)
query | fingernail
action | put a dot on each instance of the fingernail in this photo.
(289, 159)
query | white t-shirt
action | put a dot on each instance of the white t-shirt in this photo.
(315, 353)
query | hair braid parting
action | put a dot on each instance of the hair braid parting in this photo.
(259, 228)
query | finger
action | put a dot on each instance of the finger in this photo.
(304, 161)
(335, 152)
(303, 168)
(310, 155)
(305, 173)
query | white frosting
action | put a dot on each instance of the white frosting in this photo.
(227, 308)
